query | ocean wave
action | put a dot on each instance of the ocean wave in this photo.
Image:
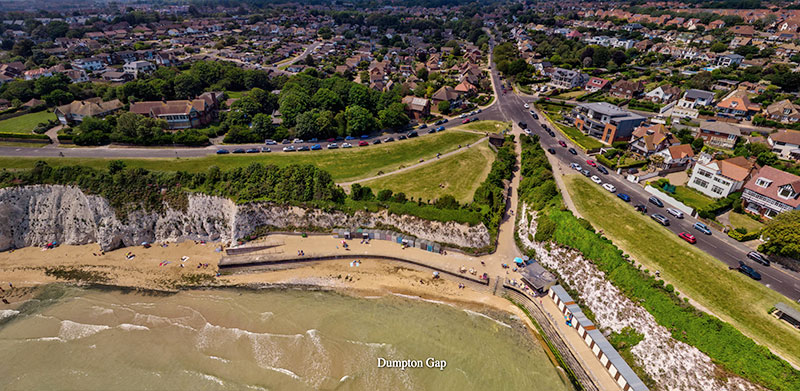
(8, 313)
(102, 310)
(219, 359)
(73, 330)
(206, 376)
(155, 320)
(285, 372)
(422, 299)
(370, 344)
(45, 339)
(266, 315)
(487, 317)
(133, 327)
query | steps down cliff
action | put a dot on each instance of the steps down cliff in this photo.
(37, 215)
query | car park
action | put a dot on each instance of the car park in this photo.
(602, 169)
(688, 237)
(624, 197)
(270, 142)
(609, 187)
(573, 151)
(678, 214)
(265, 149)
(333, 146)
(362, 143)
(640, 208)
(655, 201)
(316, 147)
(702, 228)
(304, 148)
(591, 163)
(551, 150)
(660, 218)
(758, 257)
(238, 150)
(253, 150)
(223, 152)
(347, 145)
(748, 271)
(595, 179)
(562, 143)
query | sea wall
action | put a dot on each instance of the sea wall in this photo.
(37, 215)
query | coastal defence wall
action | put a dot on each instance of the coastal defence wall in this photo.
(39, 214)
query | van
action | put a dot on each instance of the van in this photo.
(678, 214)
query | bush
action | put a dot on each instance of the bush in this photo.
(544, 228)
(24, 136)
(744, 236)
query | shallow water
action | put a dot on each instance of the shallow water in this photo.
(71, 338)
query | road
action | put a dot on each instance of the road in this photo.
(510, 107)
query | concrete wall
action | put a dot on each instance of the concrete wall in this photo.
(669, 200)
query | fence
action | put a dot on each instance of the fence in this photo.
(673, 202)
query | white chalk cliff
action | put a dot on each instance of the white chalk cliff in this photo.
(37, 215)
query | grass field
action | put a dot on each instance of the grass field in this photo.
(570, 94)
(235, 94)
(487, 126)
(458, 175)
(584, 141)
(739, 220)
(343, 165)
(692, 197)
(25, 123)
(729, 295)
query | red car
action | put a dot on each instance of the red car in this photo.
(466, 121)
(330, 140)
(688, 237)
(362, 143)
(591, 163)
(561, 143)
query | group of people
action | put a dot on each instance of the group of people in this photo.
(300, 253)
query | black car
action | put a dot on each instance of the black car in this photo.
(413, 133)
(748, 271)
(402, 137)
(602, 169)
(573, 151)
(432, 131)
(550, 132)
(522, 125)
(223, 151)
(253, 150)
(304, 148)
(535, 116)
(423, 126)
(439, 122)
(551, 150)
(286, 141)
(655, 201)
(758, 257)
(388, 139)
(238, 150)
(376, 141)
(641, 208)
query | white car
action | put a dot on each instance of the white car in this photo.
(289, 149)
(527, 106)
(609, 187)
(576, 167)
(297, 141)
(675, 212)
(346, 145)
(595, 179)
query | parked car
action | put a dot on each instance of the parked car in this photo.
(316, 147)
(527, 106)
(333, 146)
(660, 218)
(602, 169)
(402, 137)
(423, 126)
(348, 138)
(297, 141)
(595, 179)
(550, 132)
(702, 228)
(445, 120)
(624, 197)
(466, 121)
(432, 131)
(362, 143)
(376, 141)
(748, 271)
(551, 150)
(347, 145)
(364, 136)
(562, 143)
(439, 122)
(609, 187)
(313, 140)
(440, 129)
(688, 237)
(238, 150)
(304, 148)
(535, 116)
(576, 167)
(223, 152)
(678, 214)
(253, 150)
(591, 163)
(522, 125)
(265, 149)
(330, 140)
(388, 139)
(586, 173)
(270, 142)
(655, 201)
(412, 133)
(286, 141)
(289, 149)
(573, 151)
(640, 208)
(758, 257)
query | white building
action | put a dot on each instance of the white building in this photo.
(719, 178)
(785, 143)
(136, 68)
(692, 100)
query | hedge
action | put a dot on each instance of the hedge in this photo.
(744, 237)
(719, 206)
(25, 136)
(605, 161)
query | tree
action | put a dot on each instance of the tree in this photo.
(384, 195)
(136, 128)
(697, 144)
(766, 158)
(58, 97)
(782, 235)
(718, 47)
(444, 107)
(619, 57)
(325, 32)
(359, 95)
(394, 116)
(326, 99)
(306, 124)
(359, 120)
(701, 81)
(187, 86)
(292, 103)
(23, 48)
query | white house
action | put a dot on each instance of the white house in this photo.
(719, 178)
(136, 68)
(692, 99)
(89, 64)
(785, 143)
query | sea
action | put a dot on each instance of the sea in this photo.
(70, 338)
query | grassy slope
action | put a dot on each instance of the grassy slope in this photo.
(731, 296)
(739, 220)
(461, 174)
(587, 142)
(692, 197)
(25, 123)
(487, 126)
(343, 164)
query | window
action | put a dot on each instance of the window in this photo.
(701, 183)
(786, 192)
(716, 189)
(763, 182)
(704, 173)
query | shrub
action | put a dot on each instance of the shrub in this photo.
(544, 228)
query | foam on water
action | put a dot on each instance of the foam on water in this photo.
(155, 320)
(219, 359)
(473, 313)
(285, 372)
(73, 330)
(422, 299)
(8, 313)
(133, 327)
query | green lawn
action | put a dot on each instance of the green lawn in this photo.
(487, 126)
(553, 113)
(458, 175)
(739, 220)
(25, 123)
(235, 94)
(729, 295)
(343, 165)
(692, 197)
(570, 95)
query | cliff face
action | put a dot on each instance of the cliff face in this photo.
(37, 215)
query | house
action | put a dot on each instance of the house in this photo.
(663, 94)
(719, 178)
(181, 114)
(116, 76)
(89, 64)
(76, 111)
(605, 121)
(34, 74)
(692, 99)
(726, 60)
(719, 134)
(417, 108)
(649, 139)
(566, 79)
(783, 111)
(676, 156)
(785, 143)
(466, 88)
(626, 89)
(738, 105)
(596, 84)
(76, 75)
(725, 84)
(770, 192)
(446, 93)
(137, 68)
